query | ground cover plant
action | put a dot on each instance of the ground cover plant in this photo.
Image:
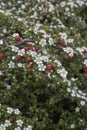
(43, 65)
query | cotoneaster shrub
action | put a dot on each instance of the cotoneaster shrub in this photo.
(43, 65)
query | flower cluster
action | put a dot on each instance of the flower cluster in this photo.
(43, 65)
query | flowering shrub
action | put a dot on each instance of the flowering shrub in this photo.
(43, 65)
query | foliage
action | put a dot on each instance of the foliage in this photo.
(43, 65)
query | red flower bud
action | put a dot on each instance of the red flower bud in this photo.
(30, 66)
(37, 49)
(28, 47)
(70, 58)
(49, 67)
(28, 59)
(85, 70)
(17, 38)
(18, 57)
(2, 55)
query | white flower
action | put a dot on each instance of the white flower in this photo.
(2, 127)
(23, 6)
(85, 62)
(73, 94)
(28, 128)
(9, 110)
(72, 126)
(32, 53)
(7, 123)
(77, 109)
(19, 122)
(35, 30)
(67, 9)
(70, 40)
(43, 42)
(82, 103)
(63, 35)
(0, 72)
(13, 57)
(38, 59)
(51, 41)
(68, 89)
(21, 52)
(11, 64)
(41, 67)
(44, 51)
(16, 111)
(63, 73)
(1, 42)
(68, 50)
(8, 86)
(20, 65)
(14, 48)
(62, 4)
(51, 7)
(15, 34)
(58, 63)
(18, 128)
(45, 58)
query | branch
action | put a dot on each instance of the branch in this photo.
(21, 42)
(58, 47)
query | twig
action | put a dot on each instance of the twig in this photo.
(58, 47)
(21, 42)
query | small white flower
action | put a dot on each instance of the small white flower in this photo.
(19, 65)
(8, 86)
(77, 109)
(73, 94)
(28, 128)
(45, 58)
(16, 111)
(11, 64)
(7, 123)
(38, 60)
(23, 6)
(18, 128)
(32, 53)
(82, 103)
(43, 42)
(85, 62)
(63, 73)
(0, 72)
(58, 63)
(15, 34)
(1, 42)
(63, 35)
(70, 40)
(21, 52)
(41, 67)
(2, 127)
(68, 50)
(13, 57)
(68, 89)
(14, 48)
(67, 9)
(19, 122)
(72, 126)
(62, 4)
(51, 7)
(9, 110)
(73, 79)
(44, 51)
(4, 30)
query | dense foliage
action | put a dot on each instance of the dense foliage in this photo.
(43, 65)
